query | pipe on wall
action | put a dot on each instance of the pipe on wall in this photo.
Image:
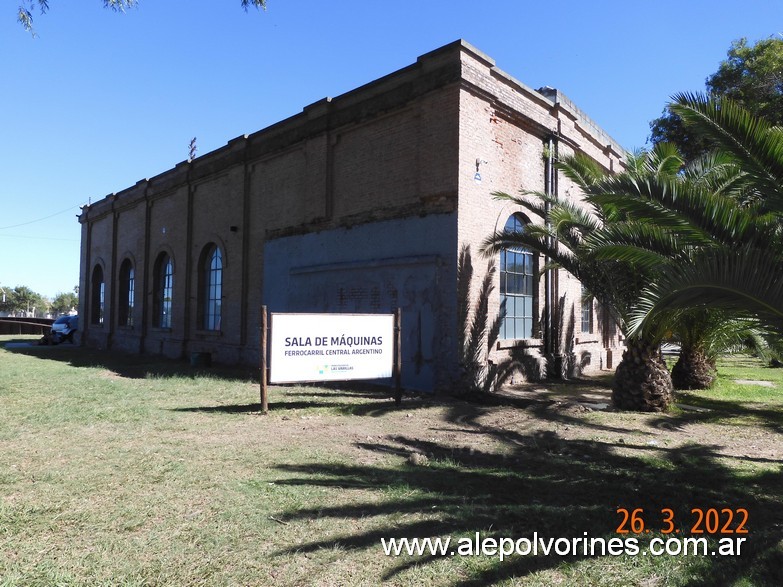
(549, 305)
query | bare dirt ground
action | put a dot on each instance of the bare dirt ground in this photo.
(559, 459)
(525, 416)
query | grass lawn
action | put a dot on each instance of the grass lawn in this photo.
(119, 470)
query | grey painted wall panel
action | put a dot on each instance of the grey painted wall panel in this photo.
(375, 268)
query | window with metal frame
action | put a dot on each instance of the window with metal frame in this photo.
(127, 294)
(517, 287)
(587, 312)
(97, 296)
(212, 283)
(164, 291)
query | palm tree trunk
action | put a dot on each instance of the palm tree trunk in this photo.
(642, 381)
(693, 369)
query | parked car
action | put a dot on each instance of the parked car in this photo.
(63, 328)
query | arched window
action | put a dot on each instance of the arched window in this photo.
(211, 287)
(517, 268)
(97, 295)
(164, 288)
(126, 294)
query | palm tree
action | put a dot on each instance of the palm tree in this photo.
(704, 333)
(613, 255)
(655, 219)
(706, 206)
(741, 271)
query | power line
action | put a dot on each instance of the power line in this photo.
(45, 238)
(39, 219)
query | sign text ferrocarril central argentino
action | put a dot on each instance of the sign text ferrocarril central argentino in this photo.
(329, 347)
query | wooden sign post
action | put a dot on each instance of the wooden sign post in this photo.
(263, 329)
(398, 356)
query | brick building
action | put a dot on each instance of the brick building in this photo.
(360, 203)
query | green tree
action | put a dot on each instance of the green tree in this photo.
(742, 272)
(21, 300)
(706, 206)
(751, 75)
(63, 303)
(657, 218)
(703, 334)
(27, 7)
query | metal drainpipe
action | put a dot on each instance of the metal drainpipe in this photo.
(549, 347)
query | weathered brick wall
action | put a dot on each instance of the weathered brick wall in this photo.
(130, 245)
(402, 147)
(375, 155)
(217, 204)
(506, 127)
(376, 267)
(510, 159)
(99, 254)
(168, 234)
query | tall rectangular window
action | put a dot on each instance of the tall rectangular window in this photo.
(126, 294)
(587, 312)
(167, 280)
(163, 291)
(516, 287)
(212, 268)
(97, 296)
(131, 297)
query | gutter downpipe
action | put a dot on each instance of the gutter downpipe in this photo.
(550, 189)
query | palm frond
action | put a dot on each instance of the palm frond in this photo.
(535, 241)
(464, 278)
(746, 281)
(696, 213)
(756, 146)
(663, 161)
(580, 169)
(531, 201)
(716, 172)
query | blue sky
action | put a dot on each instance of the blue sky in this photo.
(100, 100)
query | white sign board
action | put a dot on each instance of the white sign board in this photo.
(331, 347)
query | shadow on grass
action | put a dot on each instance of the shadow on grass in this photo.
(32, 341)
(536, 482)
(372, 406)
(134, 366)
(555, 487)
(711, 410)
(223, 409)
(370, 398)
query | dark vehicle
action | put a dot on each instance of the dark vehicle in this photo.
(63, 329)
